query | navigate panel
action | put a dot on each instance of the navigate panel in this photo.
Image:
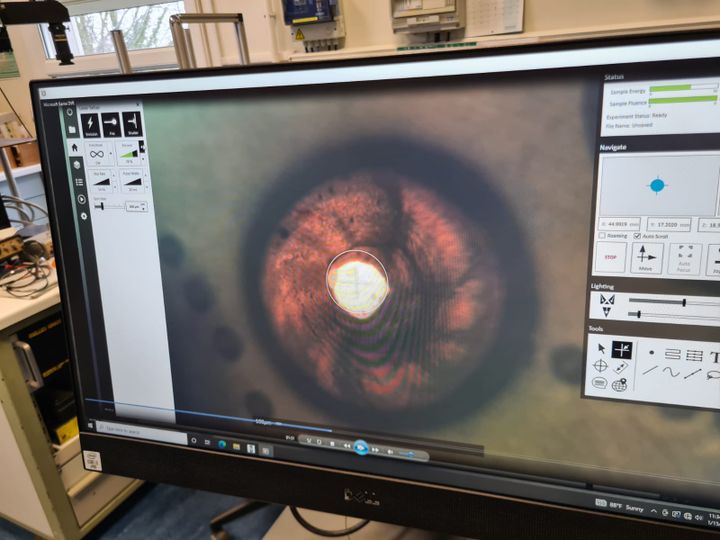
(657, 215)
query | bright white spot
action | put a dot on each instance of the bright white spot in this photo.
(357, 287)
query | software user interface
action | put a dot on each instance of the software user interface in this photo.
(513, 272)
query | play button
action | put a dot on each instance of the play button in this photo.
(360, 447)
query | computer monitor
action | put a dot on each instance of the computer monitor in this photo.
(451, 291)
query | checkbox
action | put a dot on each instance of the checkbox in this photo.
(637, 235)
(602, 235)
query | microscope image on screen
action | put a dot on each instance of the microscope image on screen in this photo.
(382, 282)
(384, 293)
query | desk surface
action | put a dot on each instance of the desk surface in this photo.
(15, 310)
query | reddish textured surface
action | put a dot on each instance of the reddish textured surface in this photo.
(440, 316)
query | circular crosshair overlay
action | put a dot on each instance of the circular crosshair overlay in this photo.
(357, 282)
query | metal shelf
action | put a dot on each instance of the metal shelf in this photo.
(45, 488)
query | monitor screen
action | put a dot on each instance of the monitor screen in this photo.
(494, 272)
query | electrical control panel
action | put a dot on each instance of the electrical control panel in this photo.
(427, 16)
(317, 24)
(309, 11)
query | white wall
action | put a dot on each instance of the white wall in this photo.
(546, 16)
(30, 62)
(369, 32)
(369, 29)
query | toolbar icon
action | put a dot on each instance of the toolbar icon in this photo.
(90, 125)
(600, 365)
(607, 302)
(647, 258)
(111, 124)
(622, 350)
(644, 255)
(132, 124)
(360, 447)
(621, 367)
(71, 122)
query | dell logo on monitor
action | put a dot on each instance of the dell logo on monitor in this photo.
(361, 497)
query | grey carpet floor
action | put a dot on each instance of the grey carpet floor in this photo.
(161, 512)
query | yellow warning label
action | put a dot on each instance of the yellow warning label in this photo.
(67, 431)
(299, 36)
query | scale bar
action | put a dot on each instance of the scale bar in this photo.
(682, 99)
(657, 301)
(669, 316)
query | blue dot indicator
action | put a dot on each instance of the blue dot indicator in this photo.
(658, 185)
(361, 447)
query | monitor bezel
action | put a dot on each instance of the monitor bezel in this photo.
(403, 502)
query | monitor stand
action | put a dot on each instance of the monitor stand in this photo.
(287, 527)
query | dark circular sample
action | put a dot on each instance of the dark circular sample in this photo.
(198, 293)
(566, 362)
(458, 321)
(227, 343)
(171, 250)
(258, 405)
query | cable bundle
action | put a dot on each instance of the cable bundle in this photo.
(25, 209)
(26, 279)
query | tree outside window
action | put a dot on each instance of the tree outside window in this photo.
(144, 27)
